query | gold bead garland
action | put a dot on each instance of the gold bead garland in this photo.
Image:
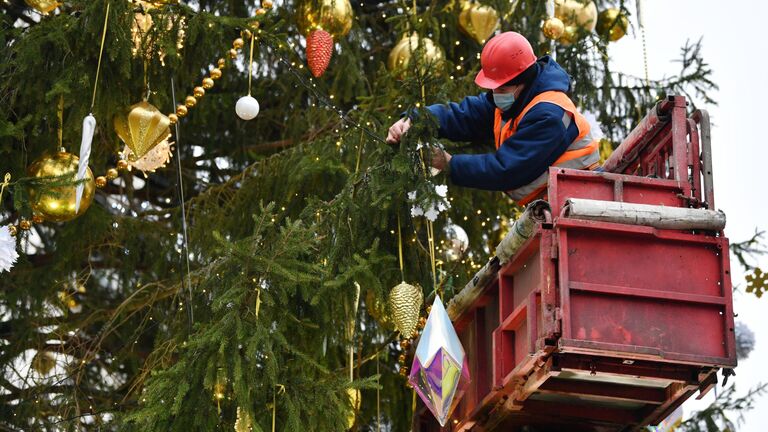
(189, 101)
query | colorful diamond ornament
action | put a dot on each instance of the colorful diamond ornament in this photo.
(440, 372)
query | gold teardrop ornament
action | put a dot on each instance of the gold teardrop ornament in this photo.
(478, 21)
(405, 302)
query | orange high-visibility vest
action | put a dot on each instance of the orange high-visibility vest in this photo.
(583, 153)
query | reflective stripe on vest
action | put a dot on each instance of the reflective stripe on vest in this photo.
(583, 153)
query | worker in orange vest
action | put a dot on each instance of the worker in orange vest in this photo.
(528, 115)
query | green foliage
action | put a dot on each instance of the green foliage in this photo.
(284, 214)
(718, 416)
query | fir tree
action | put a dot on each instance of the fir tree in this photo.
(150, 312)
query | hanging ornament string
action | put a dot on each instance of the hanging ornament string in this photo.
(551, 14)
(274, 403)
(60, 117)
(190, 312)
(101, 53)
(250, 63)
(430, 227)
(378, 396)
(641, 22)
(400, 248)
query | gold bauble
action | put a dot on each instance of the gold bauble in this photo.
(43, 6)
(405, 302)
(233, 54)
(354, 401)
(221, 63)
(378, 309)
(101, 181)
(207, 83)
(400, 56)
(181, 111)
(238, 43)
(142, 127)
(333, 16)
(12, 230)
(198, 92)
(122, 164)
(216, 73)
(25, 225)
(266, 4)
(190, 101)
(43, 362)
(478, 21)
(112, 174)
(57, 203)
(570, 36)
(37, 219)
(173, 118)
(612, 24)
(261, 11)
(553, 28)
(577, 15)
(245, 34)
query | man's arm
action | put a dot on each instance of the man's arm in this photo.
(469, 120)
(540, 139)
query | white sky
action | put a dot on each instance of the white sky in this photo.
(733, 35)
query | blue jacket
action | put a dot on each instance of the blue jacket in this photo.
(540, 139)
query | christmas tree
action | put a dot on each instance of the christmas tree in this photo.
(235, 273)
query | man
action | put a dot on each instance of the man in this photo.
(528, 115)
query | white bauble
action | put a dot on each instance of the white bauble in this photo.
(247, 107)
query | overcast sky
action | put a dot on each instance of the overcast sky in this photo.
(733, 35)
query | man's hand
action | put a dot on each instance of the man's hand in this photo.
(397, 130)
(439, 158)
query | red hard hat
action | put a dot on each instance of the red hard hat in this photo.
(504, 57)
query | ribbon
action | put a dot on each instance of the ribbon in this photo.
(89, 127)
(6, 182)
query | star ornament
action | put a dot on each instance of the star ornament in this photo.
(440, 372)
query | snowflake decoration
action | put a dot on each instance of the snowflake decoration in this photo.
(757, 282)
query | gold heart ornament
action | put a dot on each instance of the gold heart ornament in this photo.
(478, 21)
(142, 127)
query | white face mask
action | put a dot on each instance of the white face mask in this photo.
(504, 101)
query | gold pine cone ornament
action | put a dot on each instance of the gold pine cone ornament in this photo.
(54, 202)
(478, 21)
(405, 302)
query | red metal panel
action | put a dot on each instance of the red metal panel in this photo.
(668, 328)
(627, 259)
